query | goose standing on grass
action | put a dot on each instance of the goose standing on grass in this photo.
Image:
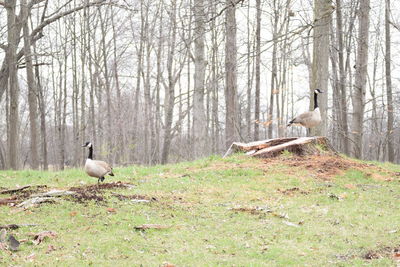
(311, 118)
(96, 168)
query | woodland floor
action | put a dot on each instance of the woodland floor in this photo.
(289, 211)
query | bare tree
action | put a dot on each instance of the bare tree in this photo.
(360, 78)
(389, 94)
(170, 88)
(320, 64)
(231, 102)
(11, 56)
(199, 116)
(257, 70)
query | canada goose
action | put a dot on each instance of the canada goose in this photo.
(311, 118)
(96, 168)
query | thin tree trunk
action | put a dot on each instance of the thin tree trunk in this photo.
(258, 74)
(107, 86)
(83, 82)
(389, 94)
(32, 89)
(342, 116)
(199, 117)
(75, 92)
(120, 136)
(320, 64)
(12, 38)
(158, 84)
(360, 79)
(170, 98)
(138, 73)
(273, 71)
(42, 109)
(250, 71)
(214, 81)
(231, 116)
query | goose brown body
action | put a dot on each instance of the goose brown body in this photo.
(309, 119)
(96, 168)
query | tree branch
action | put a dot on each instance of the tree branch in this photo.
(38, 30)
(233, 4)
(37, 34)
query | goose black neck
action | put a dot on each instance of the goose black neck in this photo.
(90, 153)
(315, 100)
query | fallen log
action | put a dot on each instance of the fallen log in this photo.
(15, 226)
(8, 201)
(32, 202)
(11, 191)
(274, 147)
(15, 190)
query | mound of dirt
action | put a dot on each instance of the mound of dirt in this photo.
(323, 166)
(78, 194)
(94, 191)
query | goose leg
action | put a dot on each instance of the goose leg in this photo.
(102, 179)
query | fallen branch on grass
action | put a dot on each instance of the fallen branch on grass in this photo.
(15, 190)
(15, 226)
(11, 191)
(151, 226)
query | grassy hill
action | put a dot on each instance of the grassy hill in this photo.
(239, 211)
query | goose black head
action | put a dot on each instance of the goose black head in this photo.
(318, 91)
(88, 144)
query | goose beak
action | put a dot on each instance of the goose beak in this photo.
(83, 145)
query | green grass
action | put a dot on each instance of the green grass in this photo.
(197, 199)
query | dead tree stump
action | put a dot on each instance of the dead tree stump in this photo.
(274, 147)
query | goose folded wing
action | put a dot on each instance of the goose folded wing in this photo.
(303, 118)
(107, 168)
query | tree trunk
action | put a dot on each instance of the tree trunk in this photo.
(389, 94)
(342, 93)
(274, 83)
(360, 79)
(257, 69)
(231, 116)
(170, 99)
(320, 64)
(214, 80)
(138, 79)
(158, 120)
(32, 89)
(12, 38)
(199, 116)
(107, 86)
(42, 109)
(250, 71)
(120, 156)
